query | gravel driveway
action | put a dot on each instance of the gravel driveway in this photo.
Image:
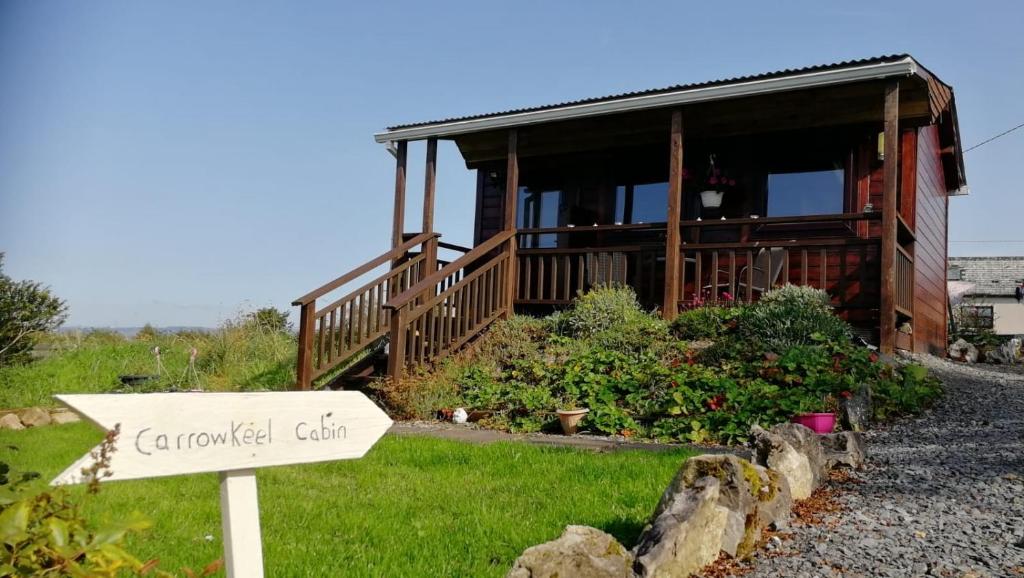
(943, 494)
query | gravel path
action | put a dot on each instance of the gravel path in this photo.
(943, 494)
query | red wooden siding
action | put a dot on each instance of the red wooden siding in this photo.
(930, 246)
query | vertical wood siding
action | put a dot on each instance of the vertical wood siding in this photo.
(930, 247)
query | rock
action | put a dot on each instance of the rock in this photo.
(749, 496)
(1007, 353)
(796, 454)
(581, 551)
(10, 421)
(855, 412)
(61, 417)
(844, 449)
(686, 531)
(960, 350)
(34, 417)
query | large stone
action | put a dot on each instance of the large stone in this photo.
(844, 449)
(855, 411)
(580, 552)
(793, 451)
(686, 531)
(1008, 353)
(10, 421)
(62, 416)
(34, 417)
(960, 350)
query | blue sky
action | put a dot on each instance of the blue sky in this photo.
(173, 162)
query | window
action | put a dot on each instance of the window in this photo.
(792, 194)
(539, 209)
(646, 203)
(977, 316)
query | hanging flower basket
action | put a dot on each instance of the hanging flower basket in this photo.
(711, 199)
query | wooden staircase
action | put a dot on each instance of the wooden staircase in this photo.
(416, 312)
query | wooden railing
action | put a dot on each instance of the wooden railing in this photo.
(847, 269)
(904, 299)
(557, 276)
(330, 336)
(452, 306)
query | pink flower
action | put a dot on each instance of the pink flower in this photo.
(732, 182)
(713, 181)
(727, 296)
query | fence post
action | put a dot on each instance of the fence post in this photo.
(304, 370)
(396, 346)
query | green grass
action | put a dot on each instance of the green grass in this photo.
(230, 359)
(412, 507)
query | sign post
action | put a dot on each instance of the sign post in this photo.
(166, 434)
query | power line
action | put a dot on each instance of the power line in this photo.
(1002, 134)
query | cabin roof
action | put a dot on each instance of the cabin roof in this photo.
(934, 95)
(818, 75)
(991, 276)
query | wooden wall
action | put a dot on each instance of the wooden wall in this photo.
(930, 246)
(490, 201)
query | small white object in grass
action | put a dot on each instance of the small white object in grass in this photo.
(460, 416)
(208, 537)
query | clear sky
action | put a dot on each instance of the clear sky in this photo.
(172, 162)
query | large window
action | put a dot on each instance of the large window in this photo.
(818, 192)
(647, 203)
(539, 209)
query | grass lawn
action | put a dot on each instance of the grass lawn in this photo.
(412, 507)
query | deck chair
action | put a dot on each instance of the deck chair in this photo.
(762, 279)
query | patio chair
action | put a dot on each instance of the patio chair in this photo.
(762, 279)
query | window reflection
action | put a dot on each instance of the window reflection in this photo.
(805, 193)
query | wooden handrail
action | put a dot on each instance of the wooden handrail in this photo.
(835, 218)
(593, 228)
(364, 268)
(433, 279)
(765, 243)
(454, 247)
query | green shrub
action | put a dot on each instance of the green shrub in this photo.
(904, 390)
(792, 316)
(705, 322)
(602, 309)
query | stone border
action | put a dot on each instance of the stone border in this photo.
(19, 419)
(717, 503)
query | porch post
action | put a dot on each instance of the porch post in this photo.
(429, 185)
(509, 219)
(890, 174)
(670, 307)
(398, 226)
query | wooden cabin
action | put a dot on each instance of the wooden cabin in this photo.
(834, 176)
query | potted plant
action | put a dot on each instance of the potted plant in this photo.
(714, 185)
(571, 416)
(817, 414)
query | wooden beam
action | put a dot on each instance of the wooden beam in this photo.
(429, 186)
(509, 218)
(670, 305)
(890, 176)
(398, 226)
(429, 189)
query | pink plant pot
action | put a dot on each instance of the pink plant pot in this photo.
(820, 423)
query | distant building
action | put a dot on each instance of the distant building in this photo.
(985, 292)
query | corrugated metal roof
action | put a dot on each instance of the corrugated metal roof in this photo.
(674, 88)
(990, 275)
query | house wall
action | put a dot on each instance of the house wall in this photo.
(1007, 312)
(930, 257)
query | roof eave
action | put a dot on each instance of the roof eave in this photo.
(903, 67)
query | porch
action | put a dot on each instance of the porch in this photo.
(817, 187)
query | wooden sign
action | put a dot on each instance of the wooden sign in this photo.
(166, 434)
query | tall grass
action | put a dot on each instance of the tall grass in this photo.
(236, 357)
